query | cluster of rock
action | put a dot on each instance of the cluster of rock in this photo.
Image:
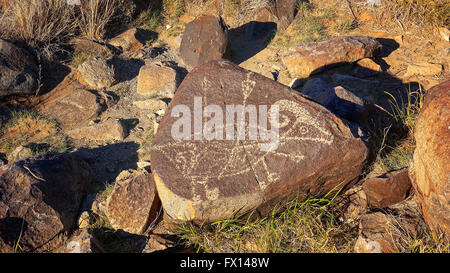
(321, 145)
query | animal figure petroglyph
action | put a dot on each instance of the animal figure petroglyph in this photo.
(202, 161)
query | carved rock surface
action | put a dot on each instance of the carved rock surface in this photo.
(207, 180)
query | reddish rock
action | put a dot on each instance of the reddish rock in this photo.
(70, 103)
(208, 180)
(40, 198)
(305, 59)
(387, 232)
(431, 162)
(387, 190)
(286, 11)
(130, 40)
(205, 39)
(134, 203)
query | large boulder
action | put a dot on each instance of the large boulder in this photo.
(431, 163)
(210, 177)
(40, 198)
(205, 39)
(305, 59)
(18, 71)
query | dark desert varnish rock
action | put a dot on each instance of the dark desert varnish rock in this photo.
(205, 39)
(40, 199)
(208, 180)
(431, 163)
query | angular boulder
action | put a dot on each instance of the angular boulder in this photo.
(19, 72)
(40, 198)
(70, 103)
(134, 203)
(430, 173)
(157, 81)
(387, 190)
(337, 99)
(305, 59)
(205, 39)
(130, 40)
(205, 179)
(111, 129)
(98, 73)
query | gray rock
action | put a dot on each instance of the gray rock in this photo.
(19, 72)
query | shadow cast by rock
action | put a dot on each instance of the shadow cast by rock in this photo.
(249, 39)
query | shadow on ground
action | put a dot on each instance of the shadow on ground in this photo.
(249, 39)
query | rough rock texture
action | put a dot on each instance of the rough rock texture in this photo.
(423, 69)
(70, 103)
(385, 231)
(205, 180)
(84, 45)
(337, 99)
(134, 203)
(151, 104)
(157, 81)
(430, 173)
(130, 40)
(387, 190)
(111, 129)
(286, 10)
(305, 59)
(18, 71)
(83, 241)
(19, 153)
(363, 88)
(205, 39)
(41, 197)
(98, 73)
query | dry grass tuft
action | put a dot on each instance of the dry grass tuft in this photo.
(38, 133)
(308, 226)
(37, 22)
(95, 16)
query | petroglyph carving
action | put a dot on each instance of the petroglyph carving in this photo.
(189, 157)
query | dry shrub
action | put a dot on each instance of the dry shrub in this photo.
(418, 17)
(95, 15)
(37, 22)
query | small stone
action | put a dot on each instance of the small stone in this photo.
(98, 73)
(83, 220)
(388, 189)
(444, 33)
(83, 241)
(20, 153)
(151, 104)
(111, 129)
(157, 81)
(130, 40)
